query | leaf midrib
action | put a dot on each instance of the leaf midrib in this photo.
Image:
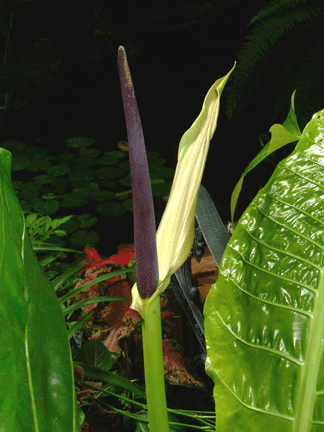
(310, 369)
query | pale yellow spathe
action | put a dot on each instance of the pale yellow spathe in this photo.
(175, 234)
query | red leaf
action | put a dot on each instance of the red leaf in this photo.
(175, 365)
(91, 253)
(118, 320)
(123, 257)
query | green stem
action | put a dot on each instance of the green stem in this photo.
(153, 367)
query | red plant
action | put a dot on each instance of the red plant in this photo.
(116, 320)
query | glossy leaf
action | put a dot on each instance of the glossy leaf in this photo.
(36, 380)
(281, 135)
(264, 317)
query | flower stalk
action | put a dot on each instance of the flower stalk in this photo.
(159, 255)
(146, 264)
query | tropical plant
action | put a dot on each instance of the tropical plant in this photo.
(264, 316)
(159, 254)
(284, 51)
(31, 309)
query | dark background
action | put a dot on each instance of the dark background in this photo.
(176, 51)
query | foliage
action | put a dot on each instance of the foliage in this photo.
(39, 228)
(112, 331)
(112, 323)
(283, 52)
(48, 184)
(35, 331)
(264, 315)
(281, 135)
(93, 360)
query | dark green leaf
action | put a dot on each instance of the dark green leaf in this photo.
(109, 377)
(58, 170)
(94, 353)
(79, 142)
(110, 208)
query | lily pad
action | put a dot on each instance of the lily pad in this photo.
(13, 146)
(49, 196)
(89, 153)
(29, 192)
(73, 200)
(46, 207)
(58, 170)
(80, 183)
(111, 208)
(19, 163)
(87, 220)
(79, 142)
(43, 179)
(102, 195)
(161, 189)
(86, 162)
(115, 154)
(67, 157)
(111, 172)
(60, 182)
(38, 165)
(128, 204)
(161, 172)
(108, 160)
(82, 237)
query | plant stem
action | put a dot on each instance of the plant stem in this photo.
(153, 367)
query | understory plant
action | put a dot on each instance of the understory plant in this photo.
(33, 314)
(263, 318)
(108, 328)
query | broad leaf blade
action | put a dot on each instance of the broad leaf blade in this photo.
(281, 135)
(264, 318)
(36, 379)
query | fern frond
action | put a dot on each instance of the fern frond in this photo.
(278, 6)
(261, 40)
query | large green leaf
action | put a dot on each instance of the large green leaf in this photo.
(36, 370)
(264, 318)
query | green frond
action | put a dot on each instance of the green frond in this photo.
(259, 45)
(278, 6)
